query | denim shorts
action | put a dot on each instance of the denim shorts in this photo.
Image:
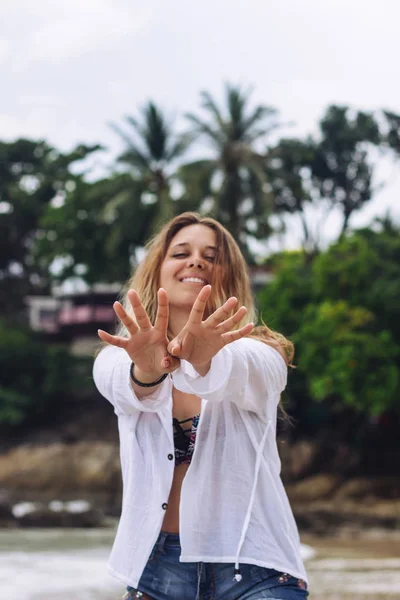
(165, 578)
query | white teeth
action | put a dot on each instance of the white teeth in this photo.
(192, 280)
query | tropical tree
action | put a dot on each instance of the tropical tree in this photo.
(93, 234)
(287, 168)
(392, 138)
(342, 310)
(334, 170)
(231, 185)
(353, 364)
(33, 176)
(151, 155)
(342, 171)
(364, 269)
(38, 380)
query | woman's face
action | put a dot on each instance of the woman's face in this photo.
(188, 265)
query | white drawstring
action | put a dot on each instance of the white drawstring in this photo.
(260, 449)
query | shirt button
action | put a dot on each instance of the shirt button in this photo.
(165, 506)
(170, 456)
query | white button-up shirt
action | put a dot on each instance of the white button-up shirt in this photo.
(233, 506)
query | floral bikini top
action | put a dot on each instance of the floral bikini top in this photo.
(184, 440)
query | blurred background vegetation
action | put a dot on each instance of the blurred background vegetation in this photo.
(339, 304)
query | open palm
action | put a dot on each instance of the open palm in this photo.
(199, 341)
(146, 344)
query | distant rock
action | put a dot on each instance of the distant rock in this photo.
(297, 457)
(89, 470)
(313, 488)
(327, 504)
(345, 518)
(361, 488)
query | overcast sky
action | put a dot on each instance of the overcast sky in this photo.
(68, 68)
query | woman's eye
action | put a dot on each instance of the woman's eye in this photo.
(184, 255)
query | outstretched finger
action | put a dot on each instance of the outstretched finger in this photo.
(170, 363)
(141, 315)
(233, 320)
(197, 312)
(222, 313)
(114, 340)
(232, 336)
(161, 322)
(125, 319)
(174, 347)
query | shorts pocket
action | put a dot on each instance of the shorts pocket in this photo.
(153, 553)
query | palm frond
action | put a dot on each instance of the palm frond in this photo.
(209, 104)
(159, 133)
(126, 138)
(256, 134)
(153, 130)
(236, 101)
(204, 128)
(133, 122)
(259, 114)
(179, 146)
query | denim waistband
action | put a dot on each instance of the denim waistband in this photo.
(201, 580)
(168, 540)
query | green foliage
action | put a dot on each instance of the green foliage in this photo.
(96, 231)
(392, 138)
(288, 294)
(36, 378)
(342, 309)
(32, 176)
(346, 360)
(48, 211)
(364, 270)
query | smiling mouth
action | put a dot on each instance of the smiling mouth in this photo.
(194, 280)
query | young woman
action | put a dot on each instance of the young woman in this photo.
(196, 389)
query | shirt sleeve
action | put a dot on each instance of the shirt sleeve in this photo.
(112, 378)
(247, 372)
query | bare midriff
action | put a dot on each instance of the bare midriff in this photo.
(184, 406)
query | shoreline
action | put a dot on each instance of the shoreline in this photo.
(338, 569)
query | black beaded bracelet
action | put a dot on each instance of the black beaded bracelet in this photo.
(141, 384)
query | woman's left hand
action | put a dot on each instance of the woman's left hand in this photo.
(199, 341)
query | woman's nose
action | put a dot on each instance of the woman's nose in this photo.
(196, 262)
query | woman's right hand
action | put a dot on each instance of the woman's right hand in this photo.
(146, 344)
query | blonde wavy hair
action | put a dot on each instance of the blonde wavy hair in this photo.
(231, 280)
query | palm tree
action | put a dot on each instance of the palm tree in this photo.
(233, 183)
(152, 150)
